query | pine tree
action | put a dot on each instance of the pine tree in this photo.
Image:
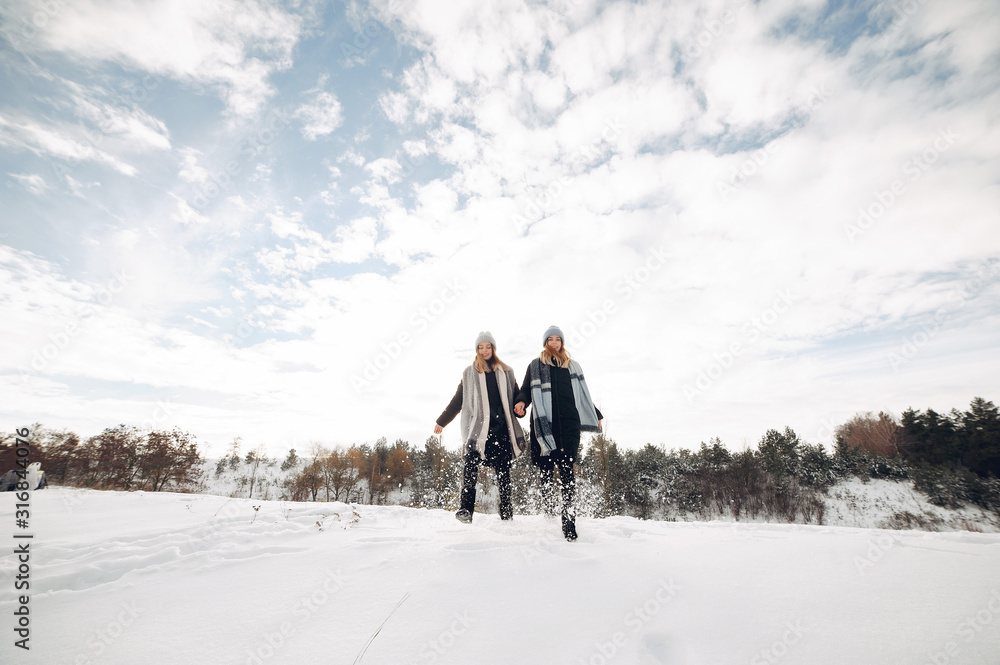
(292, 460)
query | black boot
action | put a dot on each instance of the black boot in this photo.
(467, 499)
(569, 528)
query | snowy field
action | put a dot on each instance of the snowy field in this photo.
(159, 579)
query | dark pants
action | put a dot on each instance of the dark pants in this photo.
(498, 456)
(567, 436)
(567, 484)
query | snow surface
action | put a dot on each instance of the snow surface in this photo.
(161, 578)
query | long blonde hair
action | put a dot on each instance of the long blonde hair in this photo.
(488, 365)
(560, 359)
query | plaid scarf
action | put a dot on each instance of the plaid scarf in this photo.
(541, 402)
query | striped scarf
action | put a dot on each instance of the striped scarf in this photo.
(476, 410)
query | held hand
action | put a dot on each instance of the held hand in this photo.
(438, 429)
(519, 409)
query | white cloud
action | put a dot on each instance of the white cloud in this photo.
(396, 106)
(119, 119)
(78, 123)
(320, 117)
(191, 171)
(352, 156)
(547, 92)
(57, 142)
(285, 226)
(234, 47)
(355, 243)
(185, 214)
(415, 148)
(32, 182)
(456, 144)
(384, 169)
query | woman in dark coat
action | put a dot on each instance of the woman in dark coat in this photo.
(490, 432)
(561, 409)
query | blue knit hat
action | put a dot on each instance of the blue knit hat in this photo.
(553, 330)
(486, 336)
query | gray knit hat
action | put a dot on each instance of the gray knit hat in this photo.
(553, 330)
(486, 336)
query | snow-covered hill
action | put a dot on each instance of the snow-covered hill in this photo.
(888, 504)
(159, 579)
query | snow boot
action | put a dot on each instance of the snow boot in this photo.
(569, 528)
(464, 516)
(506, 511)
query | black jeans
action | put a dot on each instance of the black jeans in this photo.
(498, 456)
(567, 483)
(567, 436)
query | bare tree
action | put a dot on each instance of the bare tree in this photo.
(168, 456)
(877, 434)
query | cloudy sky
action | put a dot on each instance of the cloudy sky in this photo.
(288, 221)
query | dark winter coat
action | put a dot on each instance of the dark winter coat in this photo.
(565, 421)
